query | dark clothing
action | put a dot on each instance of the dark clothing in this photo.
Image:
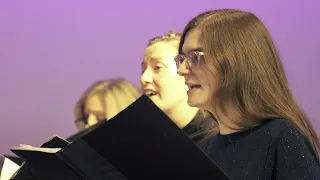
(272, 150)
(199, 128)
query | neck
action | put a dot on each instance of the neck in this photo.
(226, 129)
(226, 125)
(182, 115)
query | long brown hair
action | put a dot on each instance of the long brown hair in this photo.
(241, 55)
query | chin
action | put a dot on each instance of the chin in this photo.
(198, 103)
(192, 103)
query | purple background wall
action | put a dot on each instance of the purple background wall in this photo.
(51, 50)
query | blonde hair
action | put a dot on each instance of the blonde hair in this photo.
(243, 59)
(116, 95)
(168, 37)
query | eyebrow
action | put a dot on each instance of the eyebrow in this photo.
(97, 113)
(153, 59)
(194, 49)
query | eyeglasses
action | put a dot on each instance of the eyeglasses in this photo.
(82, 122)
(193, 58)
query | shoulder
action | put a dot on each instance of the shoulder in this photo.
(293, 155)
(278, 128)
(288, 140)
(283, 128)
(284, 131)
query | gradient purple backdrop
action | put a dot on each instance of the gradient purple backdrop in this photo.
(51, 50)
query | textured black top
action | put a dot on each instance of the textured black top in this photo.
(272, 150)
(199, 128)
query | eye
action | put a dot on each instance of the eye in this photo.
(196, 57)
(158, 67)
(142, 70)
(143, 67)
(101, 118)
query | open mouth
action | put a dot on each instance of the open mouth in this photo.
(151, 93)
(195, 86)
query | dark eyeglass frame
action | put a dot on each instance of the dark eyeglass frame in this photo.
(83, 121)
(192, 58)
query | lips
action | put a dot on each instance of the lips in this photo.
(193, 85)
(192, 88)
(149, 92)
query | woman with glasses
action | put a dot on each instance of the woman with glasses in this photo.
(234, 73)
(103, 100)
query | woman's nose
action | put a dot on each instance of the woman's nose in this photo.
(92, 120)
(184, 69)
(145, 77)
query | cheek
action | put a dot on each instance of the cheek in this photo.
(168, 79)
(200, 75)
(92, 119)
(157, 81)
(174, 86)
(178, 81)
(210, 83)
(179, 88)
(206, 79)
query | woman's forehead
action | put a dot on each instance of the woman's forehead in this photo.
(160, 52)
(159, 49)
(192, 42)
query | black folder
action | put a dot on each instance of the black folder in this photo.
(80, 134)
(141, 142)
(72, 138)
(2, 158)
(15, 159)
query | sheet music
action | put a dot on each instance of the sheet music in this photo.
(8, 169)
